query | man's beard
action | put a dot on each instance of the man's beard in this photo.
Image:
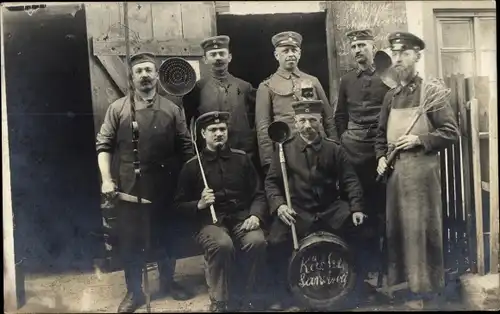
(309, 133)
(403, 73)
(146, 85)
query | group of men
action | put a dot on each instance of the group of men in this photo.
(334, 154)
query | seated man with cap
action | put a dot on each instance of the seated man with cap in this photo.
(316, 167)
(235, 191)
(222, 91)
(164, 145)
(288, 84)
(414, 207)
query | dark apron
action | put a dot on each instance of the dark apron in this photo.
(159, 168)
(414, 211)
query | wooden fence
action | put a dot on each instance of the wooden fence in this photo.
(463, 190)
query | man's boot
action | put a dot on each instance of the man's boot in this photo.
(167, 283)
(131, 302)
(218, 306)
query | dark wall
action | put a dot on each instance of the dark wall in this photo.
(252, 50)
(54, 174)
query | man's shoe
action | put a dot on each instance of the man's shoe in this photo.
(179, 293)
(218, 307)
(131, 302)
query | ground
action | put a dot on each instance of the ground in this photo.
(101, 293)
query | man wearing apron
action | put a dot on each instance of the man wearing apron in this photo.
(414, 208)
(235, 191)
(164, 144)
(276, 94)
(318, 172)
(356, 115)
(221, 91)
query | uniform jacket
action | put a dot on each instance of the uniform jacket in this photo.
(443, 122)
(317, 175)
(361, 94)
(232, 176)
(274, 102)
(233, 95)
(164, 144)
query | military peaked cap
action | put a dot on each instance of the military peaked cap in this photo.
(361, 34)
(142, 57)
(216, 42)
(401, 41)
(308, 107)
(288, 38)
(212, 117)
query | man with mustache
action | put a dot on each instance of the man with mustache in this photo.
(222, 91)
(414, 208)
(318, 172)
(235, 191)
(356, 114)
(288, 84)
(164, 144)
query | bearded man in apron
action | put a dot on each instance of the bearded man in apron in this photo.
(164, 144)
(414, 208)
(356, 114)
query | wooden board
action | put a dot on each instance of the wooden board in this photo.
(170, 47)
(333, 62)
(167, 21)
(383, 17)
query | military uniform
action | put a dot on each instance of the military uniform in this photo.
(414, 208)
(276, 94)
(238, 195)
(164, 144)
(317, 174)
(225, 93)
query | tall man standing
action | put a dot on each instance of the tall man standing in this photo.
(276, 94)
(356, 115)
(222, 91)
(414, 208)
(234, 189)
(164, 144)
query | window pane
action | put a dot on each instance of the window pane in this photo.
(456, 34)
(458, 63)
(489, 65)
(488, 33)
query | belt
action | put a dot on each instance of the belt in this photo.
(358, 126)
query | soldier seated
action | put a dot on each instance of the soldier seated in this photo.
(234, 190)
(316, 167)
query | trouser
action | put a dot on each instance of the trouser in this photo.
(219, 247)
(132, 234)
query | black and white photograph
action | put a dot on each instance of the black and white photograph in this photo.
(250, 156)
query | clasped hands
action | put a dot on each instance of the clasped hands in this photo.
(405, 142)
(208, 198)
(287, 214)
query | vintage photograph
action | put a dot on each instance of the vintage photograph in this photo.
(250, 156)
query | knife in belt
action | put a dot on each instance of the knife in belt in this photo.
(124, 197)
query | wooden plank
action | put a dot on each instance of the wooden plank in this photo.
(444, 202)
(476, 162)
(140, 20)
(104, 20)
(167, 20)
(222, 6)
(198, 20)
(173, 47)
(333, 62)
(9, 264)
(493, 186)
(117, 70)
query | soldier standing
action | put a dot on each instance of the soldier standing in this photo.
(276, 94)
(222, 91)
(356, 115)
(164, 144)
(414, 205)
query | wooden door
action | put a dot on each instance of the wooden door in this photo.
(166, 29)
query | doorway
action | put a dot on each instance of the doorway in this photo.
(253, 59)
(53, 162)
